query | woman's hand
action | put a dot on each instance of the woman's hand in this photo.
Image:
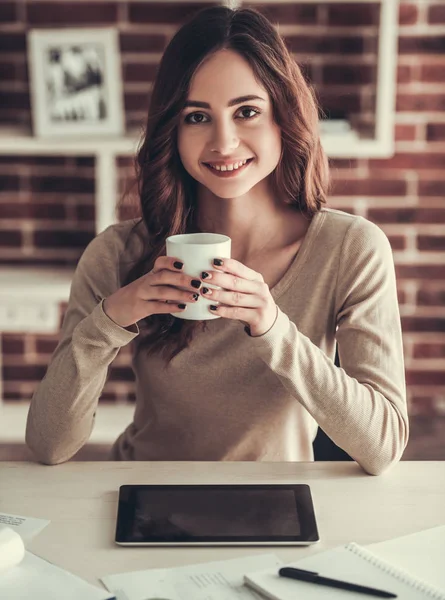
(164, 290)
(244, 296)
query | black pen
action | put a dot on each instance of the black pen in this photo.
(313, 577)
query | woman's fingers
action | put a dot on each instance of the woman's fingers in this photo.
(170, 294)
(232, 298)
(167, 262)
(167, 282)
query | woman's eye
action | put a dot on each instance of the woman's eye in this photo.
(188, 118)
(243, 110)
(251, 110)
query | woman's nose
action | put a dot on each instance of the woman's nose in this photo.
(225, 138)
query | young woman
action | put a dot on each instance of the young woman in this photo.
(256, 383)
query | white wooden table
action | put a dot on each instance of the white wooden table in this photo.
(80, 499)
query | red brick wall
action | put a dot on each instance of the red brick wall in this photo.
(47, 203)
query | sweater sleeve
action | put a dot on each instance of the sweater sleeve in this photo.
(62, 409)
(362, 404)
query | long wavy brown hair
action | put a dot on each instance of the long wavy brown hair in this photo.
(167, 192)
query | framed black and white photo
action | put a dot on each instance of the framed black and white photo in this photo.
(75, 82)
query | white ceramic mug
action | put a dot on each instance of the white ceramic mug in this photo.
(197, 251)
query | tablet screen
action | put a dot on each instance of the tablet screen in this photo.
(215, 514)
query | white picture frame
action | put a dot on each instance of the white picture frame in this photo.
(75, 82)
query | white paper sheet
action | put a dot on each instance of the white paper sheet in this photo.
(26, 527)
(38, 579)
(219, 580)
(422, 554)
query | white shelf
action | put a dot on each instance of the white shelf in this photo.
(341, 146)
(110, 422)
(50, 284)
(30, 298)
(19, 141)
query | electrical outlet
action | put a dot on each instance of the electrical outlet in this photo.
(29, 317)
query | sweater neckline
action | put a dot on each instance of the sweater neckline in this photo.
(301, 256)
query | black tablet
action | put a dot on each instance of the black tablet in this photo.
(161, 515)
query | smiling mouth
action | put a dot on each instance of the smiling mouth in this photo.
(228, 173)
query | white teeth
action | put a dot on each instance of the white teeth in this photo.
(235, 166)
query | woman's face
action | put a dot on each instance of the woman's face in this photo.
(219, 133)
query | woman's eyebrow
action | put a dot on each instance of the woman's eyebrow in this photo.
(232, 102)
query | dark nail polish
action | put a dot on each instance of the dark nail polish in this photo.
(181, 305)
(195, 296)
(213, 307)
(204, 275)
(205, 290)
(196, 283)
(178, 265)
(218, 262)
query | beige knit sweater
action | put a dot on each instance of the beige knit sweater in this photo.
(230, 396)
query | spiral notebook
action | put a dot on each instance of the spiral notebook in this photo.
(351, 563)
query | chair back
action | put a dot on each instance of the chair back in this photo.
(324, 447)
